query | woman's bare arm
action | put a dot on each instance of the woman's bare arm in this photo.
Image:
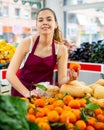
(14, 66)
(62, 64)
(63, 75)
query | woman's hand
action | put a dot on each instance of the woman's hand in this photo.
(35, 93)
(73, 75)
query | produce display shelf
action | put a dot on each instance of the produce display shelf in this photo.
(89, 73)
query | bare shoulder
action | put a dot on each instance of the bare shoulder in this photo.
(25, 43)
(61, 49)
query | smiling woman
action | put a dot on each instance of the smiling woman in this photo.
(45, 50)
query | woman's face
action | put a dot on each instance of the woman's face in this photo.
(46, 22)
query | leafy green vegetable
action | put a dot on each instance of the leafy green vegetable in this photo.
(88, 111)
(83, 115)
(13, 113)
(92, 106)
(40, 86)
(33, 126)
(58, 125)
(87, 100)
(76, 128)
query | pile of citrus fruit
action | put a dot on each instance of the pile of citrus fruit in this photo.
(64, 112)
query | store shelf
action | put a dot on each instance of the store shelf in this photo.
(89, 73)
(3, 80)
(5, 90)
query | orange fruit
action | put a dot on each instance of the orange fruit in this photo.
(50, 107)
(67, 117)
(53, 116)
(82, 102)
(92, 121)
(70, 126)
(99, 126)
(44, 126)
(74, 104)
(58, 96)
(66, 108)
(58, 103)
(39, 119)
(50, 100)
(75, 66)
(67, 99)
(39, 102)
(98, 111)
(77, 113)
(58, 109)
(81, 124)
(31, 117)
(45, 110)
(40, 113)
(100, 117)
(89, 127)
(31, 111)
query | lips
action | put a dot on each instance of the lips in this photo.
(45, 28)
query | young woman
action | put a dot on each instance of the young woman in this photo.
(42, 54)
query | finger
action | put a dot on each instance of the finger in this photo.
(72, 75)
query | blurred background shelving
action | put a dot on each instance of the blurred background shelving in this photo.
(79, 20)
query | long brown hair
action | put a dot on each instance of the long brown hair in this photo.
(57, 32)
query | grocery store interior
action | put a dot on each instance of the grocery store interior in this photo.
(81, 22)
(77, 105)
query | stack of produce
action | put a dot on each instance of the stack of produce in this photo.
(65, 110)
(89, 52)
(73, 106)
(6, 53)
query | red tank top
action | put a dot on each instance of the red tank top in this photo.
(37, 69)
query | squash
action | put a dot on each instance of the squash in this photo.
(98, 101)
(76, 90)
(98, 90)
(93, 86)
(77, 83)
(100, 81)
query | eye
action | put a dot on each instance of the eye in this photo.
(49, 19)
(40, 20)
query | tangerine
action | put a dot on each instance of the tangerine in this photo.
(81, 124)
(53, 116)
(75, 66)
